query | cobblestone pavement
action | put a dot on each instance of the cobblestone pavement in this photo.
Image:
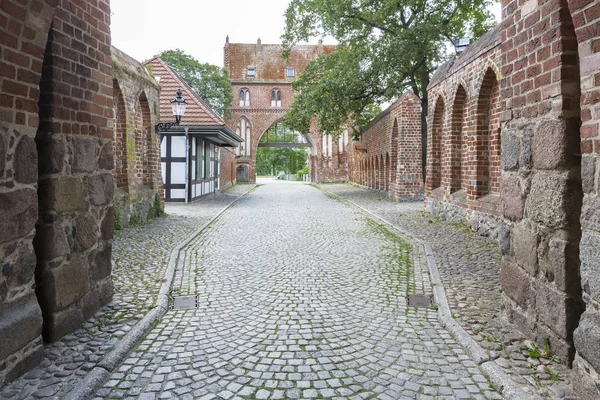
(140, 257)
(299, 296)
(469, 266)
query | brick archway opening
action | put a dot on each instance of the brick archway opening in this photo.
(144, 138)
(436, 148)
(120, 139)
(457, 141)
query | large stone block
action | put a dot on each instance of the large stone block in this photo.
(19, 213)
(107, 227)
(512, 199)
(587, 338)
(555, 144)
(590, 213)
(51, 156)
(51, 242)
(87, 232)
(525, 241)
(106, 157)
(58, 324)
(2, 156)
(101, 265)
(511, 150)
(586, 383)
(588, 173)
(557, 310)
(517, 285)
(554, 200)
(62, 194)
(558, 345)
(590, 263)
(84, 154)
(504, 237)
(25, 162)
(100, 189)
(560, 265)
(64, 285)
(20, 324)
(20, 269)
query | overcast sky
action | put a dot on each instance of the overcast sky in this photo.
(144, 28)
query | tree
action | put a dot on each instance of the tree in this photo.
(210, 82)
(385, 47)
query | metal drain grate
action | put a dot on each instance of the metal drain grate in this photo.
(184, 302)
(419, 300)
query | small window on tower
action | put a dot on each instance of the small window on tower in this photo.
(251, 72)
(290, 72)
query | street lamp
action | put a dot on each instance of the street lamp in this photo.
(178, 105)
(461, 44)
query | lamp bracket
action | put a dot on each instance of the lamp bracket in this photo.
(164, 126)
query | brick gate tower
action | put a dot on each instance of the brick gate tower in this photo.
(262, 93)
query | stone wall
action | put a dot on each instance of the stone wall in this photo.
(387, 156)
(137, 168)
(550, 114)
(463, 169)
(56, 187)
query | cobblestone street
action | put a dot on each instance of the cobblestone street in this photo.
(299, 296)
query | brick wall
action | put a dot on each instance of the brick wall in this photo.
(550, 114)
(261, 115)
(55, 173)
(388, 155)
(464, 158)
(137, 168)
(227, 173)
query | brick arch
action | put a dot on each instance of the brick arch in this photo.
(395, 143)
(486, 158)
(457, 141)
(381, 172)
(434, 175)
(120, 139)
(243, 128)
(387, 172)
(143, 140)
(377, 173)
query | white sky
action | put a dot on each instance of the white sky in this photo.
(144, 28)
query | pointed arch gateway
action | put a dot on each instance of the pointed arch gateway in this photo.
(120, 139)
(436, 148)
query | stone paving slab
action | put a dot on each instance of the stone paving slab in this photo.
(300, 296)
(470, 270)
(140, 256)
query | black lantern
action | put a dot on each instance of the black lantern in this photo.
(178, 105)
(461, 44)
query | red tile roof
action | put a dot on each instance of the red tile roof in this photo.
(197, 111)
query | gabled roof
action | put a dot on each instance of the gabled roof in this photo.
(197, 112)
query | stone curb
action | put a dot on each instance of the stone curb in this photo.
(101, 372)
(499, 379)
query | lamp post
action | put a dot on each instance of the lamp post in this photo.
(461, 44)
(178, 105)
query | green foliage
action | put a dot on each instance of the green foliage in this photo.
(272, 160)
(534, 351)
(385, 47)
(157, 209)
(209, 81)
(303, 171)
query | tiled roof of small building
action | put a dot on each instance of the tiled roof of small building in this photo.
(268, 61)
(197, 112)
(484, 44)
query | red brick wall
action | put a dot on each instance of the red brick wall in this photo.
(270, 67)
(463, 166)
(55, 170)
(388, 155)
(137, 168)
(227, 174)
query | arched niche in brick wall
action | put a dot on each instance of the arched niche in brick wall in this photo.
(458, 145)
(387, 172)
(436, 146)
(120, 139)
(395, 143)
(487, 156)
(145, 137)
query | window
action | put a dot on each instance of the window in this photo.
(275, 98)
(290, 72)
(243, 130)
(251, 72)
(244, 98)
